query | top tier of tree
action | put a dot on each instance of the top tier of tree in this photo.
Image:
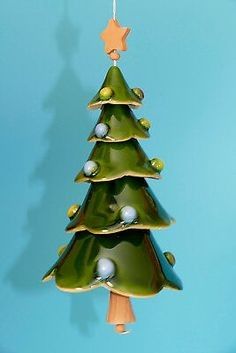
(120, 91)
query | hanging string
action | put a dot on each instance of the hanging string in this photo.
(114, 9)
(114, 18)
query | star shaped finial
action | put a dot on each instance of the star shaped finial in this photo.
(115, 36)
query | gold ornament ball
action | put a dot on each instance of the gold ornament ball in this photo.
(72, 210)
(145, 123)
(170, 258)
(114, 55)
(139, 93)
(105, 93)
(61, 249)
(157, 164)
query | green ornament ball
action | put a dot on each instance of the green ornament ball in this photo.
(72, 210)
(139, 93)
(61, 249)
(145, 123)
(105, 93)
(170, 258)
(157, 164)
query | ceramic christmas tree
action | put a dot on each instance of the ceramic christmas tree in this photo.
(112, 244)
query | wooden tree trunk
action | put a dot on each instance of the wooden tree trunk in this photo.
(120, 312)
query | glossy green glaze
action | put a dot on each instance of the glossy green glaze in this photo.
(122, 94)
(100, 212)
(122, 124)
(141, 269)
(119, 159)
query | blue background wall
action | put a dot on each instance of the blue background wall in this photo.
(183, 54)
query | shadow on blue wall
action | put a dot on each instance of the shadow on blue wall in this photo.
(66, 153)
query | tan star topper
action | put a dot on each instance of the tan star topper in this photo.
(115, 36)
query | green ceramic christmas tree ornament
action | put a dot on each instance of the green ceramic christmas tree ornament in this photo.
(112, 245)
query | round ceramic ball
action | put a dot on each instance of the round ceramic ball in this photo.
(114, 55)
(61, 249)
(105, 268)
(145, 123)
(139, 93)
(170, 258)
(128, 214)
(72, 210)
(101, 130)
(90, 168)
(157, 164)
(105, 93)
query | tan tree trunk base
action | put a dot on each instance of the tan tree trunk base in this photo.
(120, 312)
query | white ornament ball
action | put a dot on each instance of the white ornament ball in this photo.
(105, 268)
(128, 214)
(101, 130)
(90, 168)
